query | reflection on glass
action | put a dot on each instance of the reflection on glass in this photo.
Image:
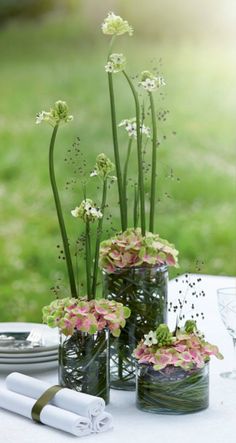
(227, 308)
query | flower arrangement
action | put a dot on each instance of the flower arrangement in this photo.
(71, 315)
(172, 370)
(185, 348)
(134, 247)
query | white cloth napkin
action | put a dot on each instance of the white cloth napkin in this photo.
(50, 415)
(73, 401)
(102, 422)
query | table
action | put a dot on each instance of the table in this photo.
(216, 424)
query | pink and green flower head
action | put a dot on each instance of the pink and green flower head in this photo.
(185, 348)
(131, 249)
(91, 316)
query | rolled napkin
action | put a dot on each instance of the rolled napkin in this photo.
(102, 422)
(73, 401)
(50, 415)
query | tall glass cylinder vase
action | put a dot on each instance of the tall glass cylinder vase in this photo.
(144, 291)
(84, 363)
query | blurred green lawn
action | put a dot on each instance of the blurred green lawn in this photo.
(53, 60)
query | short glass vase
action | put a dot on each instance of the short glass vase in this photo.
(144, 291)
(84, 363)
(172, 390)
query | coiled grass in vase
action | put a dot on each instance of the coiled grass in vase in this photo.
(172, 390)
(144, 291)
(84, 363)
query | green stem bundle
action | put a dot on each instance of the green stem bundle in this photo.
(154, 166)
(88, 260)
(125, 172)
(116, 151)
(99, 233)
(139, 152)
(61, 222)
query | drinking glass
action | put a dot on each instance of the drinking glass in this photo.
(227, 308)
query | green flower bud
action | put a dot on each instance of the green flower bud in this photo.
(164, 336)
(190, 326)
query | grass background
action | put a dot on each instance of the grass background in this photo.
(58, 58)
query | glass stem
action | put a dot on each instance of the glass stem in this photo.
(234, 355)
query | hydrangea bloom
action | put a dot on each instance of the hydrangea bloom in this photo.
(183, 349)
(59, 113)
(116, 63)
(131, 249)
(150, 82)
(115, 25)
(130, 126)
(70, 314)
(87, 211)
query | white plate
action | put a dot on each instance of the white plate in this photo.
(28, 359)
(50, 338)
(28, 367)
(30, 355)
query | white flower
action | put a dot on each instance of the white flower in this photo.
(94, 173)
(150, 82)
(115, 25)
(116, 63)
(131, 128)
(150, 339)
(75, 212)
(109, 67)
(87, 211)
(57, 114)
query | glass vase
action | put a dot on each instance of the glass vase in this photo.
(144, 291)
(84, 363)
(172, 390)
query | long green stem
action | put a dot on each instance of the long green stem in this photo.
(60, 215)
(99, 233)
(116, 151)
(135, 211)
(125, 172)
(139, 151)
(88, 260)
(154, 164)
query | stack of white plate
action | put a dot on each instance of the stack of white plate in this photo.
(26, 358)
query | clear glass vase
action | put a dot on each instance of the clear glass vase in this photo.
(172, 390)
(144, 291)
(84, 363)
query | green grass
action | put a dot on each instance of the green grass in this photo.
(40, 64)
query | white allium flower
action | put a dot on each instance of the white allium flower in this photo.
(152, 83)
(131, 128)
(109, 67)
(116, 63)
(57, 114)
(150, 339)
(115, 25)
(42, 116)
(87, 211)
(75, 212)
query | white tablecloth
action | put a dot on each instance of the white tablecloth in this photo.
(216, 424)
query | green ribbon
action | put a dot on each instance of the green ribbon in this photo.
(43, 400)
